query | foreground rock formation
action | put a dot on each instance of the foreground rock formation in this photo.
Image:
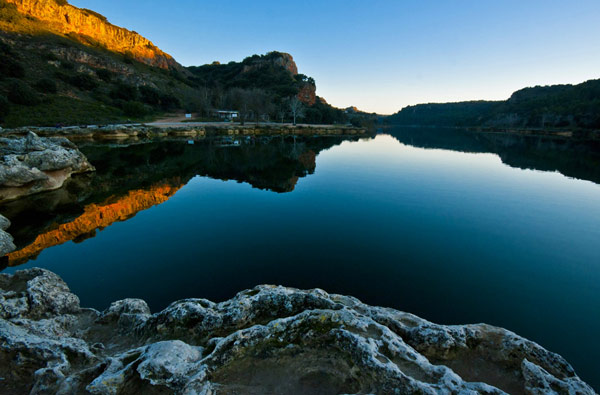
(32, 164)
(6, 240)
(266, 340)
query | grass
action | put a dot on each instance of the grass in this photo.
(62, 110)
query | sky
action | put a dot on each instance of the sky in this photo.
(382, 55)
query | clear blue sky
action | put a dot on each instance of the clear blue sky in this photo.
(383, 55)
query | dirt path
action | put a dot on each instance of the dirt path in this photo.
(173, 118)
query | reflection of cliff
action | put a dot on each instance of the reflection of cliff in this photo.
(572, 158)
(135, 177)
(94, 217)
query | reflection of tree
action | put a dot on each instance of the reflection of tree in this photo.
(571, 157)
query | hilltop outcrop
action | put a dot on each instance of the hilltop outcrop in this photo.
(33, 164)
(266, 340)
(67, 19)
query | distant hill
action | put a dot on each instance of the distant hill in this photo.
(557, 106)
(60, 64)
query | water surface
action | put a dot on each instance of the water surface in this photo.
(455, 227)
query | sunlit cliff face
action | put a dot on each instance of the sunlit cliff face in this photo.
(96, 216)
(67, 19)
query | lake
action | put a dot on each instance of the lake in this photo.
(454, 226)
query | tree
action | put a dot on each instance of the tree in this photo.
(296, 107)
(239, 99)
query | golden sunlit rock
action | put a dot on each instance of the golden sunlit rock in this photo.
(67, 19)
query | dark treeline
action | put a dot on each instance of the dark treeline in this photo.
(557, 106)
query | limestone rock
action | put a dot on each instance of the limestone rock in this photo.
(6, 240)
(67, 19)
(266, 340)
(33, 164)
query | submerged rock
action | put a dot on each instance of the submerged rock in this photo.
(263, 341)
(33, 164)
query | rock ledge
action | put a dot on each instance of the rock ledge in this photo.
(33, 164)
(263, 341)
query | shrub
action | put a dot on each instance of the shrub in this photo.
(169, 102)
(21, 93)
(149, 95)
(135, 109)
(104, 75)
(49, 56)
(9, 12)
(46, 85)
(124, 92)
(83, 81)
(65, 64)
(9, 67)
(4, 107)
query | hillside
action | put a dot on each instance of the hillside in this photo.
(87, 26)
(557, 106)
(63, 65)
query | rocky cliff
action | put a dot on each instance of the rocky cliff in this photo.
(67, 19)
(268, 340)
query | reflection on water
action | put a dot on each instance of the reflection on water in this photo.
(573, 158)
(444, 224)
(132, 178)
(95, 217)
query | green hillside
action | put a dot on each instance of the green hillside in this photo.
(557, 106)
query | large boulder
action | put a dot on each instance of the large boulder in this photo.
(33, 164)
(6, 240)
(267, 340)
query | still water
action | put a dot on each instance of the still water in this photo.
(455, 227)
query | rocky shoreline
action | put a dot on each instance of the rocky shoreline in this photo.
(195, 130)
(31, 164)
(263, 341)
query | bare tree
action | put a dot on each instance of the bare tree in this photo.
(239, 99)
(296, 107)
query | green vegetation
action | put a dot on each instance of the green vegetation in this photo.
(46, 85)
(259, 88)
(558, 106)
(47, 79)
(20, 92)
(4, 108)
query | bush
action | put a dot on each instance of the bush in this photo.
(4, 107)
(124, 92)
(65, 64)
(21, 93)
(83, 82)
(9, 67)
(135, 109)
(49, 56)
(46, 85)
(104, 75)
(9, 12)
(149, 95)
(169, 102)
